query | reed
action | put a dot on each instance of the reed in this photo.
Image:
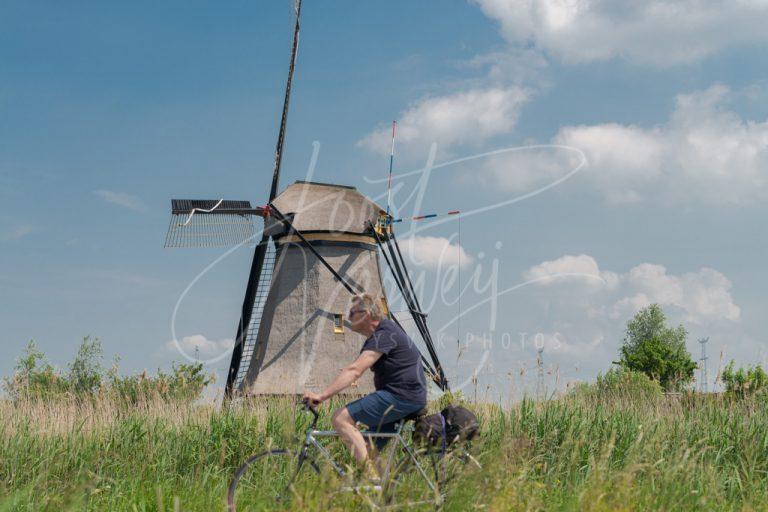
(583, 451)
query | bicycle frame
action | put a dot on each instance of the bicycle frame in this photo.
(312, 435)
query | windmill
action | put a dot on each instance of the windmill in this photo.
(320, 244)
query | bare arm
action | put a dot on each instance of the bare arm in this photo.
(350, 374)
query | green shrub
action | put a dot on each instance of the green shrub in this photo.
(744, 382)
(185, 383)
(35, 379)
(620, 383)
(85, 371)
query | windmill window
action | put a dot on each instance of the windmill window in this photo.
(338, 323)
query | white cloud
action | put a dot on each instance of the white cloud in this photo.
(656, 32)
(122, 199)
(197, 343)
(434, 252)
(524, 170)
(633, 153)
(704, 152)
(581, 268)
(463, 118)
(701, 297)
(19, 232)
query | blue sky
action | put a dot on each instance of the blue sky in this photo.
(108, 111)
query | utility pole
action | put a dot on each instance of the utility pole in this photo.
(704, 376)
(540, 374)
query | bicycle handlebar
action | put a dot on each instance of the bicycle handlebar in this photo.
(308, 407)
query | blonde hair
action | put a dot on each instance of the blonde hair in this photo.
(368, 302)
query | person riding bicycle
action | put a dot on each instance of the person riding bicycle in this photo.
(398, 376)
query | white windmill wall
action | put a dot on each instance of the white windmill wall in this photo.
(296, 348)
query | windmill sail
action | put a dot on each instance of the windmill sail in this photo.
(210, 223)
(262, 290)
(246, 337)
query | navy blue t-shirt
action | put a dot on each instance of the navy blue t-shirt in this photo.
(399, 368)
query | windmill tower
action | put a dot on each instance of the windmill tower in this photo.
(320, 243)
(302, 332)
(704, 375)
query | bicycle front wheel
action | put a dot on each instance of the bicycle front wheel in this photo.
(263, 481)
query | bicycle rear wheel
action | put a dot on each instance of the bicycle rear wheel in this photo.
(264, 480)
(410, 485)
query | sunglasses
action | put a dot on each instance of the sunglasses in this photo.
(353, 311)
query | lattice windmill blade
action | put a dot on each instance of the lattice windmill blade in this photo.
(210, 222)
(247, 334)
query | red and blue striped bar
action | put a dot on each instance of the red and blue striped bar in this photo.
(430, 216)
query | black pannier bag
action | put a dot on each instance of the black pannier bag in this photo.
(452, 424)
(429, 430)
(460, 423)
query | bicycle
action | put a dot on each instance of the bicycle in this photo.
(271, 475)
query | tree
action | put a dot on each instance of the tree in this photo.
(651, 347)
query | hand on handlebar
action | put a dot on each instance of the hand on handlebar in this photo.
(312, 399)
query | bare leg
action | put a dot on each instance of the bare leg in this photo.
(349, 434)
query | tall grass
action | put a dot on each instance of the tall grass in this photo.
(589, 450)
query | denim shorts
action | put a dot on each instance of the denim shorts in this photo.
(380, 411)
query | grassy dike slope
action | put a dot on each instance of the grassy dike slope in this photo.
(589, 450)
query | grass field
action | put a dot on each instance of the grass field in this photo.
(588, 450)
